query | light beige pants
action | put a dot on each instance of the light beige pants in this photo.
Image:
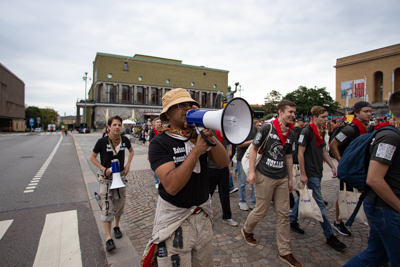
(268, 189)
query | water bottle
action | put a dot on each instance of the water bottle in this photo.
(162, 250)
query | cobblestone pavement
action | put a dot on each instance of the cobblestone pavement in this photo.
(229, 246)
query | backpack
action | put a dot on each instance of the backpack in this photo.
(353, 166)
(336, 131)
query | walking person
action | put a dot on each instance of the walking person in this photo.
(382, 203)
(112, 201)
(183, 218)
(272, 179)
(362, 115)
(155, 130)
(312, 154)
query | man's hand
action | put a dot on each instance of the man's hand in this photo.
(126, 169)
(290, 185)
(334, 173)
(303, 179)
(251, 178)
(201, 143)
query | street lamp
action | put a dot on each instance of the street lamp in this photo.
(85, 79)
(240, 90)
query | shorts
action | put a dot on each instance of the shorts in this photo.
(112, 202)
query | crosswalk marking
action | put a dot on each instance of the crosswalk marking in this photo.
(59, 242)
(4, 225)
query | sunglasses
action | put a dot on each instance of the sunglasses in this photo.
(185, 105)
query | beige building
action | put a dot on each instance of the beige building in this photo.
(370, 76)
(12, 101)
(132, 87)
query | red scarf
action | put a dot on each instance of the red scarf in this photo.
(157, 132)
(360, 126)
(318, 137)
(279, 131)
(381, 125)
(219, 136)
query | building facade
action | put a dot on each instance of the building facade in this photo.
(370, 76)
(132, 87)
(12, 101)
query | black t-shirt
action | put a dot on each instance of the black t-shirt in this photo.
(163, 149)
(106, 154)
(385, 149)
(345, 135)
(273, 160)
(295, 150)
(313, 155)
(241, 150)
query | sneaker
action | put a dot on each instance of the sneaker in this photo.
(233, 190)
(110, 245)
(295, 227)
(341, 229)
(326, 203)
(243, 206)
(252, 207)
(117, 233)
(248, 237)
(335, 243)
(230, 222)
(156, 186)
(289, 259)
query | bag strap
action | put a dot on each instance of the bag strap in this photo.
(266, 138)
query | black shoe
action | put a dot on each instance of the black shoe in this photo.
(295, 227)
(335, 243)
(110, 245)
(117, 233)
(341, 229)
(326, 203)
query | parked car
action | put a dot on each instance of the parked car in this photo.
(84, 128)
(38, 130)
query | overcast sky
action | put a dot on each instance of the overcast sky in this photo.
(265, 45)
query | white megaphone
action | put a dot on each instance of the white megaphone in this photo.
(234, 121)
(116, 175)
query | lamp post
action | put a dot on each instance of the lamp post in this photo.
(240, 90)
(85, 79)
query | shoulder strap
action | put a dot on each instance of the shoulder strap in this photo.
(266, 138)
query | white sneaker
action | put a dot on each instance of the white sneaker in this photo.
(233, 190)
(252, 207)
(230, 222)
(243, 206)
(157, 186)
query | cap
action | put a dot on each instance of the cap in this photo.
(173, 97)
(360, 105)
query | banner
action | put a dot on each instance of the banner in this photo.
(359, 86)
(346, 89)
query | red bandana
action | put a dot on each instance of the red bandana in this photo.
(279, 131)
(360, 126)
(318, 137)
(219, 136)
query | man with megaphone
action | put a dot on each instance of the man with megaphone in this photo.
(183, 220)
(111, 175)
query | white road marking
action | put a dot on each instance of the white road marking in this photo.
(59, 242)
(4, 225)
(44, 166)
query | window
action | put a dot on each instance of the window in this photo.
(125, 94)
(141, 95)
(155, 96)
(192, 84)
(204, 100)
(194, 95)
(167, 81)
(167, 90)
(111, 93)
(109, 76)
(215, 86)
(126, 65)
(216, 100)
(140, 78)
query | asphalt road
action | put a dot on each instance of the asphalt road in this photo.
(45, 215)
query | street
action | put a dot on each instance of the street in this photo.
(45, 216)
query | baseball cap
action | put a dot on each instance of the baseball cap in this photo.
(360, 105)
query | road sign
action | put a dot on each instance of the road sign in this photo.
(31, 121)
(38, 119)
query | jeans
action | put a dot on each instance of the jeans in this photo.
(220, 177)
(156, 181)
(314, 183)
(231, 186)
(384, 238)
(242, 185)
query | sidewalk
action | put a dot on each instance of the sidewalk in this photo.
(229, 247)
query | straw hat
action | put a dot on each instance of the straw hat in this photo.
(173, 97)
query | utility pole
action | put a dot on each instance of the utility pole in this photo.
(85, 79)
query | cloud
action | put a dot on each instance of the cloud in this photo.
(266, 45)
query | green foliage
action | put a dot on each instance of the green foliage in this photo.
(305, 98)
(271, 100)
(47, 115)
(32, 112)
(269, 116)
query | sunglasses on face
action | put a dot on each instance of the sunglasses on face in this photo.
(185, 105)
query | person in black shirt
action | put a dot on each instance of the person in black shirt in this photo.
(112, 201)
(179, 158)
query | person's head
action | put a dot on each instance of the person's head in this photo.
(320, 115)
(301, 123)
(114, 125)
(255, 122)
(394, 105)
(286, 111)
(262, 121)
(362, 111)
(258, 125)
(333, 123)
(176, 103)
(157, 123)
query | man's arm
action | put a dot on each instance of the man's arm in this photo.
(219, 154)
(245, 144)
(300, 157)
(289, 166)
(251, 178)
(328, 160)
(128, 164)
(334, 148)
(376, 180)
(93, 159)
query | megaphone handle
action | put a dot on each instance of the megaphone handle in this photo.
(210, 143)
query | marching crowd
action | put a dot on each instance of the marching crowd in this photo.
(279, 157)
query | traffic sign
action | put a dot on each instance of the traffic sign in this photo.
(31, 121)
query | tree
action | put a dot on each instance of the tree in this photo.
(31, 112)
(271, 100)
(305, 98)
(49, 116)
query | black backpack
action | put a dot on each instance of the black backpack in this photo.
(343, 147)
